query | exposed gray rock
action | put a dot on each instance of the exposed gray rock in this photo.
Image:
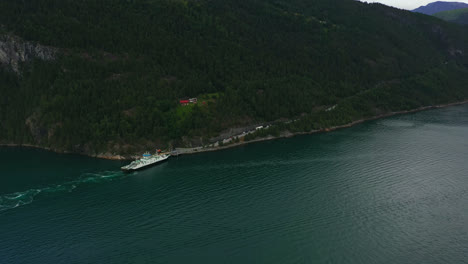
(13, 51)
(39, 133)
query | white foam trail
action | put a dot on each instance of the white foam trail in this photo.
(13, 200)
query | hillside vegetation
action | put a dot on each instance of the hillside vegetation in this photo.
(459, 16)
(122, 66)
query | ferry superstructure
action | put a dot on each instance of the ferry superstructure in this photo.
(145, 161)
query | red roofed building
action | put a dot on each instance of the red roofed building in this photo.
(184, 102)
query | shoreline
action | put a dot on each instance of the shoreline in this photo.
(105, 156)
(188, 151)
(201, 149)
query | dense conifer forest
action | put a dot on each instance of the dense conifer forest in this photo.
(123, 65)
(459, 16)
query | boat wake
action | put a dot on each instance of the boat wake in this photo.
(13, 200)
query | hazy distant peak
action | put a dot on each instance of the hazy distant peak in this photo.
(439, 6)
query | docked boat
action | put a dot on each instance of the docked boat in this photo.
(146, 161)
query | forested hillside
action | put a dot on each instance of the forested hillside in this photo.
(122, 65)
(459, 16)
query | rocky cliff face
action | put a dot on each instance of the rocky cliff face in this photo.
(14, 51)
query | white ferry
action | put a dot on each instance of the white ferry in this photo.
(146, 160)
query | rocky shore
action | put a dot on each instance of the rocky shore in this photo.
(214, 147)
(288, 134)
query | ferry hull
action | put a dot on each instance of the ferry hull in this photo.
(144, 167)
(127, 170)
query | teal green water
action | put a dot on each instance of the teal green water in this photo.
(393, 190)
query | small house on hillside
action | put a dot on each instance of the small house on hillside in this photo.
(187, 101)
(184, 102)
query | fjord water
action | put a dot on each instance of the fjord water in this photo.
(393, 190)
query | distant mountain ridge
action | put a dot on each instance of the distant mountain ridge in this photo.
(439, 6)
(459, 16)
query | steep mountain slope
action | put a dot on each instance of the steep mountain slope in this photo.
(459, 16)
(122, 66)
(440, 6)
